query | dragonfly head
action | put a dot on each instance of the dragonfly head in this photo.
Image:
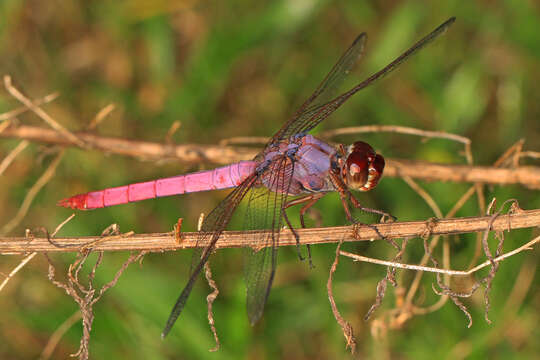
(362, 168)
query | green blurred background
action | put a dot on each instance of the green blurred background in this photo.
(241, 68)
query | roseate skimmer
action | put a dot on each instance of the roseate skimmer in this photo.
(293, 168)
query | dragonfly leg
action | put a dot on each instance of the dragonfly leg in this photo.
(295, 234)
(345, 194)
(310, 200)
(357, 205)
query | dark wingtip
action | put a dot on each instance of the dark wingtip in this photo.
(449, 21)
(362, 37)
(254, 318)
(167, 329)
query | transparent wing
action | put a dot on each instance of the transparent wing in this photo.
(264, 212)
(214, 224)
(328, 87)
(310, 115)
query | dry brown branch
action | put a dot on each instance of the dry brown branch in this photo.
(425, 134)
(29, 257)
(402, 313)
(475, 188)
(513, 150)
(345, 326)
(244, 140)
(230, 239)
(39, 112)
(12, 155)
(100, 116)
(215, 291)
(531, 154)
(528, 176)
(4, 125)
(20, 110)
(188, 153)
(87, 295)
(16, 269)
(172, 130)
(396, 129)
(356, 257)
(210, 298)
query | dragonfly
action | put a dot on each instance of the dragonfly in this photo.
(294, 168)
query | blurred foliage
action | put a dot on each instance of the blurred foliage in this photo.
(241, 68)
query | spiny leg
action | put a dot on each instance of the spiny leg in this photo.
(303, 210)
(345, 194)
(310, 200)
(357, 205)
(295, 234)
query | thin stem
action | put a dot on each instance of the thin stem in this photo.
(230, 239)
(526, 246)
(528, 176)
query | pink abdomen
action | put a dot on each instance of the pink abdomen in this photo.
(221, 178)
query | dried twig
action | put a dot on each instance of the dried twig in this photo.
(528, 176)
(100, 116)
(4, 125)
(12, 155)
(187, 153)
(445, 291)
(210, 298)
(29, 257)
(37, 102)
(404, 313)
(39, 112)
(531, 154)
(87, 296)
(172, 130)
(396, 129)
(16, 269)
(230, 239)
(345, 326)
(244, 140)
(527, 246)
(509, 153)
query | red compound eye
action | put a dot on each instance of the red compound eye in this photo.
(363, 167)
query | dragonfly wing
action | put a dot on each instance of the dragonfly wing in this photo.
(261, 263)
(264, 212)
(327, 88)
(213, 225)
(310, 116)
